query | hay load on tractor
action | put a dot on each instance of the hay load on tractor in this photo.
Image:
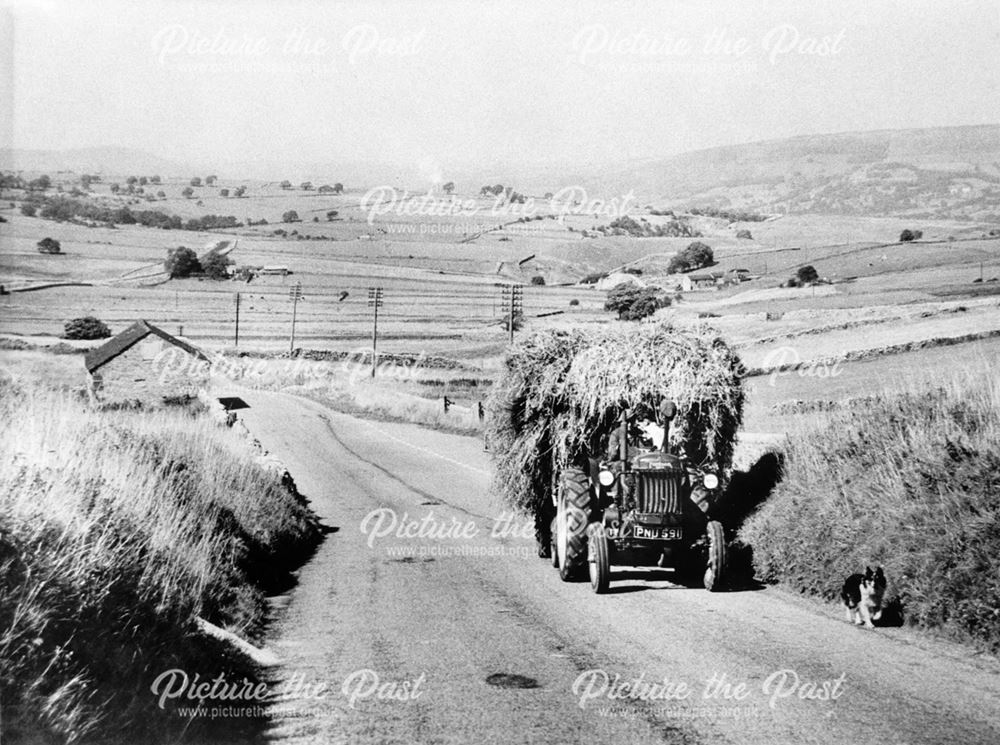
(615, 440)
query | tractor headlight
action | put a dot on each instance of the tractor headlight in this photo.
(606, 478)
(710, 480)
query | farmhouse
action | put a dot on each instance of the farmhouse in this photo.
(147, 364)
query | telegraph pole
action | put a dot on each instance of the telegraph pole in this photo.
(236, 342)
(511, 296)
(374, 302)
(294, 294)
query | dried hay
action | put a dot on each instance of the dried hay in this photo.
(557, 388)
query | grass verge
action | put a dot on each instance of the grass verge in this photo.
(117, 531)
(908, 481)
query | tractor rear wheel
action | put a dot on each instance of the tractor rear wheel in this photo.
(715, 571)
(572, 517)
(598, 558)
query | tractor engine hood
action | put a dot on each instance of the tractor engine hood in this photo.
(657, 461)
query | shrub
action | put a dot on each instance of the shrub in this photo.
(28, 210)
(910, 235)
(86, 327)
(574, 302)
(744, 235)
(223, 192)
(290, 216)
(181, 262)
(196, 181)
(187, 192)
(49, 246)
(538, 279)
(909, 481)
(806, 275)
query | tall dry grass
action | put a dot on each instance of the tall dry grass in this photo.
(910, 481)
(117, 530)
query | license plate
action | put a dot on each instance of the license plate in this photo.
(658, 534)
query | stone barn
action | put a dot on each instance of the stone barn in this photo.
(147, 364)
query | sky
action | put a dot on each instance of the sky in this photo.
(445, 85)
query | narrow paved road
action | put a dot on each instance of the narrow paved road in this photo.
(466, 636)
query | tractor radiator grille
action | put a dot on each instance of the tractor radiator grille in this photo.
(659, 493)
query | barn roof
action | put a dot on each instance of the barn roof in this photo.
(128, 338)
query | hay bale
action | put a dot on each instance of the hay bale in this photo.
(557, 388)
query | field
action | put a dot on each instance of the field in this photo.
(442, 277)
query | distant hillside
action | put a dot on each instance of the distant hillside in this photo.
(945, 172)
(113, 161)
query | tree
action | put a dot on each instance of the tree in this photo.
(143, 181)
(632, 302)
(286, 184)
(700, 254)
(196, 181)
(49, 246)
(161, 194)
(188, 192)
(325, 189)
(695, 256)
(132, 180)
(86, 180)
(806, 275)
(154, 179)
(744, 235)
(240, 191)
(41, 183)
(331, 215)
(86, 327)
(306, 186)
(210, 180)
(223, 192)
(216, 266)
(338, 188)
(115, 188)
(538, 279)
(449, 188)
(910, 235)
(181, 262)
(28, 210)
(290, 216)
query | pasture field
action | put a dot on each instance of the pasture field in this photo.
(442, 274)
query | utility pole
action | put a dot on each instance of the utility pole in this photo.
(294, 294)
(374, 302)
(512, 298)
(236, 341)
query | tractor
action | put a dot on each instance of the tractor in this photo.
(633, 502)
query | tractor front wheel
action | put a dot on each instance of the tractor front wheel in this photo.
(715, 571)
(598, 558)
(553, 538)
(572, 517)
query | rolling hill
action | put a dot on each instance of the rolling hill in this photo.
(943, 172)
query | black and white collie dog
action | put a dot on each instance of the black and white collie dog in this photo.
(863, 595)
